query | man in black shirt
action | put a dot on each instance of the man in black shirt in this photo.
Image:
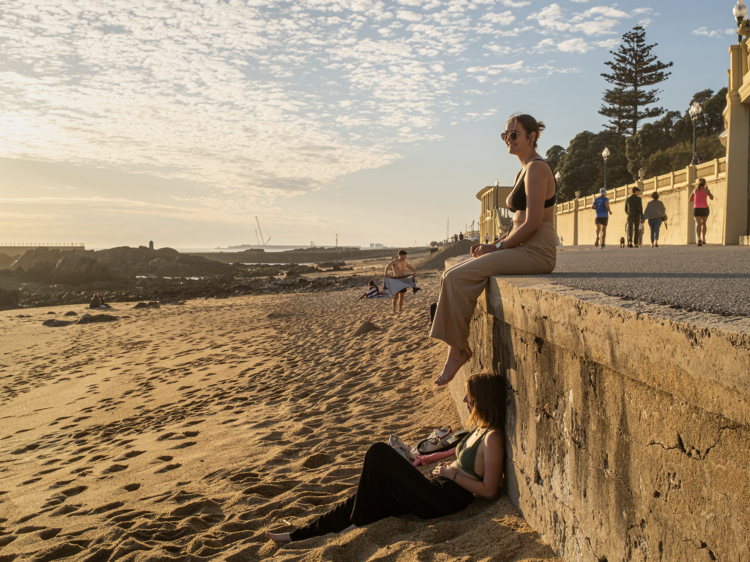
(634, 211)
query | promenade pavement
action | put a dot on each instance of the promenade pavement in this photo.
(713, 279)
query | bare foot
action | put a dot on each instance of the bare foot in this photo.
(456, 359)
(279, 537)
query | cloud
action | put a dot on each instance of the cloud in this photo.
(599, 20)
(576, 45)
(504, 18)
(408, 16)
(715, 33)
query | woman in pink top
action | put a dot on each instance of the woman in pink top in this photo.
(700, 196)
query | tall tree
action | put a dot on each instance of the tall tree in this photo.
(634, 70)
(581, 166)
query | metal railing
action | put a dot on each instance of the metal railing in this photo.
(42, 245)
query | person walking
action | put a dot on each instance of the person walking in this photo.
(601, 206)
(655, 213)
(486, 238)
(700, 196)
(528, 249)
(634, 211)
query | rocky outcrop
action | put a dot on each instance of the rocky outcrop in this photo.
(9, 299)
(77, 268)
(125, 261)
(6, 260)
(192, 266)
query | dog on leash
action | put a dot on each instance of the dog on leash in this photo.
(622, 241)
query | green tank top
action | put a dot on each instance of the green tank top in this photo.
(466, 457)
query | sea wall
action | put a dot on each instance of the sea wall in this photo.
(628, 427)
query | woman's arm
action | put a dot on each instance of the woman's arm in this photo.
(710, 195)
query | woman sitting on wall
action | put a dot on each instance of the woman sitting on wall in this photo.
(527, 249)
(390, 486)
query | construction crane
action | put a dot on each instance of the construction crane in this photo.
(264, 242)
(256, 237)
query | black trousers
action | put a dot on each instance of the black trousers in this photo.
(388, 487)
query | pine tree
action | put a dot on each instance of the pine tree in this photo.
(634, 70)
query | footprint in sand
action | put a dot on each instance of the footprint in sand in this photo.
(114, 468)
(168, 468)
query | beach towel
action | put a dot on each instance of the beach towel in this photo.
(374, 293)
(392, 286)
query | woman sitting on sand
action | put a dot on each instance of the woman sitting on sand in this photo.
(527, 249)
(390, 486)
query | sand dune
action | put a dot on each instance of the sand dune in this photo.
(186, 432)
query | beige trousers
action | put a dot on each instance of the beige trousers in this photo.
(462, 284)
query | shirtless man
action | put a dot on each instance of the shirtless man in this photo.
(399, 267)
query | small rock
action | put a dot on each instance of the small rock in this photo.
(366, 327)
(154, 305)
(50, 312)
(89, 319)
(141, 305)
(71, 313)
(52, 323)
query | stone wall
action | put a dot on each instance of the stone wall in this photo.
(628, 427)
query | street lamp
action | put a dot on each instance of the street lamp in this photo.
(695, 111)
(605, 155)
(740, 13)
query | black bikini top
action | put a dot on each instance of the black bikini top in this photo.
(517, 197)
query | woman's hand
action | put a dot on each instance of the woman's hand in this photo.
(482, 249)
(444, 469)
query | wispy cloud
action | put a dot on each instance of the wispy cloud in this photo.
(715, 33)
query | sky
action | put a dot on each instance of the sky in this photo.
(180, 121)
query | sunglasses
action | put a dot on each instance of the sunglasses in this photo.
(512, 135)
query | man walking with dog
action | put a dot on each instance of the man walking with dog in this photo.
(634, 211)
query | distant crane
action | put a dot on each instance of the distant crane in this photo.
(256, 237)
(264, 242)
(337, 241)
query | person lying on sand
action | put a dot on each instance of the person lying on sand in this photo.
(371, 292)
(398, 268)
(390, 486)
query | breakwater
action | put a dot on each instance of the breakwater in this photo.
(628, 427)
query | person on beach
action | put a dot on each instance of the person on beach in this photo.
(389, 486)
(486, 238)
(398, 268)
(634, 211)
(601, 206)
(371, 292)
(527, 249)
(700, 196)
(654, 214)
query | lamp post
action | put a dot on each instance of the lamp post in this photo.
(740, 13)
(605, 155)
(695, 111)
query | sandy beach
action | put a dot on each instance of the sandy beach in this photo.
(186, 432)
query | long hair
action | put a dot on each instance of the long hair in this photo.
(488, 394)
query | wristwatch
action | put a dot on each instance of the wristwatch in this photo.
(499, 245)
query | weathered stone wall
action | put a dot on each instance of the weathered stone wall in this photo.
(628, 434)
